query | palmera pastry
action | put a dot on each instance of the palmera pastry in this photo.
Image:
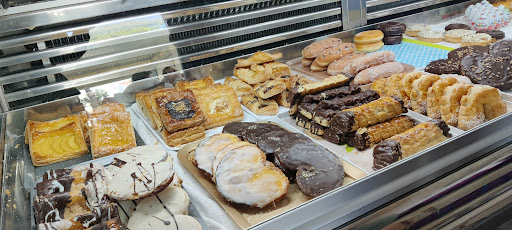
(183, 136)
(55, 141)
(239, 86)
(450, 102)
(219, 104)
(407, 81)
(435, 94)
(260, 106)
(419, 92)
(205, 152)
(380, 85)
(244, 176)
(269, 89)
(111, 133)
(363, 138)
(179, 110)
(257, 58)
(480, 104)
(253, 74)
(394, 85)
(204, 82)
(380, 110)
(410, 142)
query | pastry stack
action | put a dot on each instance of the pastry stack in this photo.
(108, 129)
(182, 115)
(393, 32)
(369, 41)
(444, 97)
(262, 83)
(138, 190)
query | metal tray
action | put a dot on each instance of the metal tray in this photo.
(135, 108)
(105, 161)
(247, 217)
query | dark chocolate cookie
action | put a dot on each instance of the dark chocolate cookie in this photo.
(495, 34)
(392, 28)
(253, 133)
(392, 40)
(270, 142)
(486, 69)
(457, 26)
(501, 48)
(458, 54)
(236, 128)
(442, 66)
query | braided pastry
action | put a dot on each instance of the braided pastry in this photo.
(380, 110)
(434, 95)
(407, 87)
(482, 103)
(363, 138)
(419, 92)
(450, 102)
(410, 142)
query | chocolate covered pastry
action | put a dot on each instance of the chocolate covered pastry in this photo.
(332, 93)
(316, 129)
(253, 132)
(392, 28)
(307, 109)
(455, 26)
(363, 138)
(380, 110)
(302, 121)
(326, 109)
(442, 66)
(334, 136)
(179, 110)
(272, 141)
(486, 69)
(410, 142)
(237, 128)
(501, 48)
(496, 35)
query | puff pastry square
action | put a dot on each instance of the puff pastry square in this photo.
(55, 141)
(205, 82)
(219, 104)
(183, 136)
(179, 110)
(111, 133)
(149, 103)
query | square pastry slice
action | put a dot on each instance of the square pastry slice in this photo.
(55, 141)
(111, 133)
(152, 108)
(204, 82)
(179, 110)
(183, 136)
(219, 104)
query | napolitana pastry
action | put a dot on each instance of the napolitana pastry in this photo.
(55, 141)
(409, 143)
(430, 36)
(257, 58)
(277, 70)
(253, 74)
(419, 92)
(363, 138)
(260, 106)
(269, 89)
(179, 110)
(205, 152)
(204, 82)
(283, 99)
(480, 104)
(371, 74)
(435, 95)
(413, 30)
(239, 86)
(313, 50)
(219, 104)
(380, 110)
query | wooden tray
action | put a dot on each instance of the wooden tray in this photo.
(296, 64)
(247, 217)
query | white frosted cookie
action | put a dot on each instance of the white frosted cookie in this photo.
(133, 154)
(244, 176)
(142, 221)
(223, 152)
(173, 199)
(208, 148)
(95, 186)
(142, 175)
(125, 209)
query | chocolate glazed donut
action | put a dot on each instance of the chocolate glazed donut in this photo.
(392, 28)
(392, 40)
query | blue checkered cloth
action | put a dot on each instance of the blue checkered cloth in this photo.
(416, 55)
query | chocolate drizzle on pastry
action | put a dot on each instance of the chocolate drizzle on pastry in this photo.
(180, 109)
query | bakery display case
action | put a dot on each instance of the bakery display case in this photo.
(121, 63)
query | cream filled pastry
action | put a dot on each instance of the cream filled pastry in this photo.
(244, 176)
(208, 148)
